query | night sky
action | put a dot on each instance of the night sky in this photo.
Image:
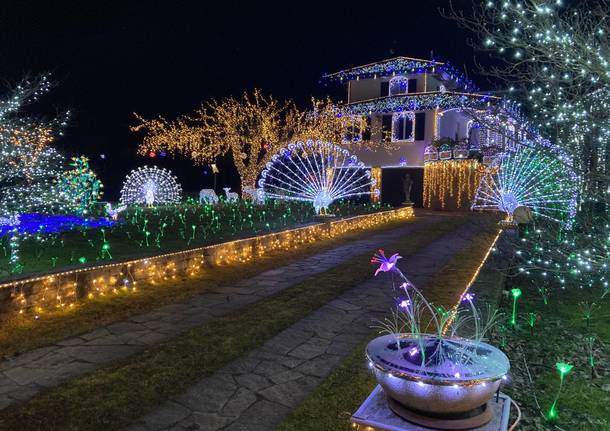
(111, 59)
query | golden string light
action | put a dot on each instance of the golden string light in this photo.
(376, 175)
(62, 290)
(252, 129)
(451, 184)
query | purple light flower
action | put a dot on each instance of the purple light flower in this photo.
(405, 303)
(385, 263)
(468, 297)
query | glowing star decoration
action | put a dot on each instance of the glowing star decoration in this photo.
(386, 264)
(533, 179)
(150, 186)
(315, 171)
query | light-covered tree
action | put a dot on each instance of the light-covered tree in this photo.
(250, 130)
(80, 186)
(555, 59)
(247, 129)
(29, 166)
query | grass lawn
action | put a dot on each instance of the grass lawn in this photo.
(21, 332)
(559, 335)
(331, 405)
(112, 397)
(144, 231)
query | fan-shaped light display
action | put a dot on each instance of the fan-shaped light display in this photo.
(150, 186)
(533, 179)
(315, 171)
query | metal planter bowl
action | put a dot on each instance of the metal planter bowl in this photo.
(463, 378)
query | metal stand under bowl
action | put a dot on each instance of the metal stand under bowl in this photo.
(380, 413)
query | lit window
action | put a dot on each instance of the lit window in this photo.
(399, 85)
(403, 125)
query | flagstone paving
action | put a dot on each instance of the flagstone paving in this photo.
(258, 390)
(26, 374)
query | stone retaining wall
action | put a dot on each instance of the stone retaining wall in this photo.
(63, 288)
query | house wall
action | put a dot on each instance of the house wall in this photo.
(364, 89)
(452, 122)
(412, 151)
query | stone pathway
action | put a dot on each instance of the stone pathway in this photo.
(25, 375)
(257, 391)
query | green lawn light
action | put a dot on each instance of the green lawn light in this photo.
(563, 369)
(532, 319)
(106, 250)
(590, 346)
(516, 293)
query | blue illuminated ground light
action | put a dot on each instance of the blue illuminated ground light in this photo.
(53, 223)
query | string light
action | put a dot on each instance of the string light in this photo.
(80, 186)
(428, 101)
(400, 66)
(150, 186)
(248, 129)
(555, 58)
(47, 292)
(532, 179)
(29, 166)
(451, 183)
(315, 171)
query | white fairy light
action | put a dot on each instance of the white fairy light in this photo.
(532, 179)
(150, 186)
(315, 171)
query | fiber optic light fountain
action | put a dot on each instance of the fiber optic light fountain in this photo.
(445, 377)
(436, 376)
(317, 172)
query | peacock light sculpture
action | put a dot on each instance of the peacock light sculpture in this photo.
(315, 171)
(150, 186)
(530, 178)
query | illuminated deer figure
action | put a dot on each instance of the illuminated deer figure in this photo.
(231, 196)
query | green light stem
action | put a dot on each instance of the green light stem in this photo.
(513, 320)
(553, 410)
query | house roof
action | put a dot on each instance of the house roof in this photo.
(402, 65)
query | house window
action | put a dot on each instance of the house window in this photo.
(366, 129)
(399, 85)
(358, 130)
(386, 127)
(412, 86)
(402, 126)
(352, 134)
(385, 88)
(420, 126)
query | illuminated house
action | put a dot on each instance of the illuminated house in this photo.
(407, 104)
